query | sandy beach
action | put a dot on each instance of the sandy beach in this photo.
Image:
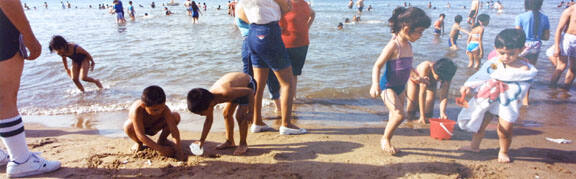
(327, 152)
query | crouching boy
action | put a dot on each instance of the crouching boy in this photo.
(237, 91)
(150, 115)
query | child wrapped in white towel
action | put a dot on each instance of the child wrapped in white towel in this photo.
(500, 86)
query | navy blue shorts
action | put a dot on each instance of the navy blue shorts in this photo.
(297, 58)
(266, 47)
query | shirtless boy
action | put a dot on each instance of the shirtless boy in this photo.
(150, 115)
(237, 91)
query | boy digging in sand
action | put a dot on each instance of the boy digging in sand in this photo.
(150, 115)
(237, 91)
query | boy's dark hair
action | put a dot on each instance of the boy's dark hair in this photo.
(445, 68)
(199, 99)
(57, 43)
(484, 18)
(510, 39)
(458, 19)
(153, 95)
(412, 17)
(442, 15)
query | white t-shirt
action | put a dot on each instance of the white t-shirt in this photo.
(261, 11)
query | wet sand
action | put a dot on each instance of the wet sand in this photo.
(327, 152)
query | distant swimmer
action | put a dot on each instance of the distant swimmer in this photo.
(369, 8)
(473, 11)
(152, 5)
(340, 26)
(46, 5)
(360, 6)
(167, 12)
(429, 4)
(350, 4)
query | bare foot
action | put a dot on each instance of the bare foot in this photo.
(470, 65)
(241, 149)
(386, 147)
(477, 66)
(503, 157)
(225, 145)
(468, 149)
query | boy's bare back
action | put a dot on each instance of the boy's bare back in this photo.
(570, 13)
(232, 85)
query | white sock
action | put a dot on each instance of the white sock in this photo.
(13, 136)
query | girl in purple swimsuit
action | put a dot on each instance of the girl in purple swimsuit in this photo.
(407, 25)
(82, 61)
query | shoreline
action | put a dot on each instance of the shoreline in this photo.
(326, 152)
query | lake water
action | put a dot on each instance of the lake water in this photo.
(172, 52)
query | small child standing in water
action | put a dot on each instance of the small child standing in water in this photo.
(407, 25)
(82, 61)
(500, 85)
(455, 33)
(475, 49)
(439, 25)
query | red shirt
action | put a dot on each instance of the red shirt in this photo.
(295, 25)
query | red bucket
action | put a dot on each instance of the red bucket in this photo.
(441, 128)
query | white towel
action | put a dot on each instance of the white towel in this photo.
(499, 90)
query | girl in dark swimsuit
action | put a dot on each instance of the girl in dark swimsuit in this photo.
(82, 61)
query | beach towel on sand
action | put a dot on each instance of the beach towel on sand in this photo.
(499, 91)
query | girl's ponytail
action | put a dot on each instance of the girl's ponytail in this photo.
(393, 21)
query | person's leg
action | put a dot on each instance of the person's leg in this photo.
(560, 67)
(285, 79)
(478, 136)
(11, 125)
(76, 76)
(477, 59)
(532, 59)
(243, 120)
(395, 105)
(505, 139)
(261, 76)
(228, 114)
(22, 162)
(163, 139)
(470, 59)
(84, 74)
(274, 90)
(570, 74)
(412, 100)
(129, 130)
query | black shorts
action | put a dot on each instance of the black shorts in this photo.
(10, 38)
(245, 100)
(472, 14)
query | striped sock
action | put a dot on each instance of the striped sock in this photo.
(12, 133)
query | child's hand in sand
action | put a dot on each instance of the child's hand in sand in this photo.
(375, 90)
(166, 151)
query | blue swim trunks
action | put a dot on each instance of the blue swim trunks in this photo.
(266, 47)
(119, 15)
(472, 46)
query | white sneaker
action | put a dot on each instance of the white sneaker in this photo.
(4, 158)
(289, 131)
(256, 128)
(33, 166)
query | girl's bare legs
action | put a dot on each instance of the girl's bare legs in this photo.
(505, 139)
(412, 90)
(560, 64)
(84, 75)
(477, 138)
(395, 105)
(532, 59)
(76, 76)
(476, 60)
(470, 59)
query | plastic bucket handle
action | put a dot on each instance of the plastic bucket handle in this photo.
(445, 129)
